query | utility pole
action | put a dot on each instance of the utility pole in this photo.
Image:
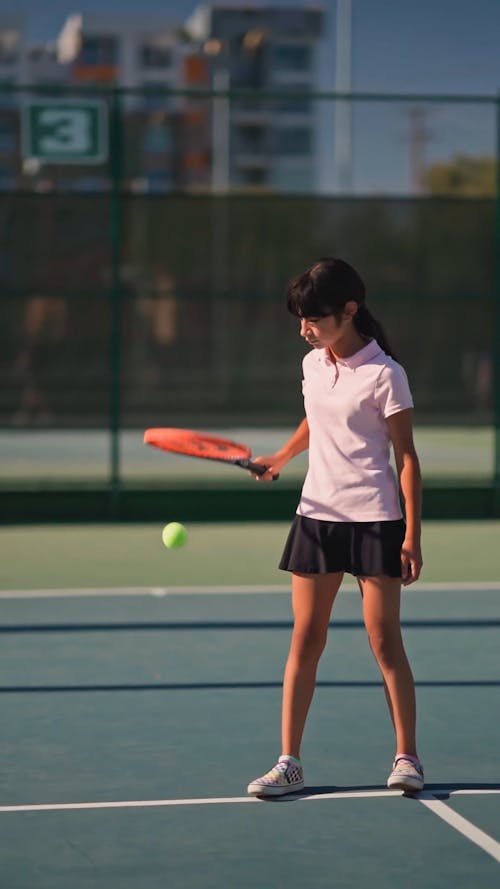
(220, 132)
(343, 109)
(419, 137)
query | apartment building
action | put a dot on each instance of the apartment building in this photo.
(105, 50)
(270, 143)
(180, 141)
(166, 142)
(21, 64)
(12, 47)
(12, 66)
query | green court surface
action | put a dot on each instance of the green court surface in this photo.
(102, 556)
(131, 725)
(141, 692)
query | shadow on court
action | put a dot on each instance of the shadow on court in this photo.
(221, 686)
(440, 790)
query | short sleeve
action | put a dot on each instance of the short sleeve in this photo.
(393, 391)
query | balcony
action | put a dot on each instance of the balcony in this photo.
(251, 113)
(252, 161)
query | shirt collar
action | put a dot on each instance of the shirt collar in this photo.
(360, 357)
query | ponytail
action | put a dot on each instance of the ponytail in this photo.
(368, 326)
(325, 287)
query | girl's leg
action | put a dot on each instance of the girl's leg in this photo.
(381, 612)
(312, 600)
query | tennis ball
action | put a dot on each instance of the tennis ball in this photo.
(174, 535)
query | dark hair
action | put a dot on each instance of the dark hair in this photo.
(324, 288)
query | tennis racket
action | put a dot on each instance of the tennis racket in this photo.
(208, 447)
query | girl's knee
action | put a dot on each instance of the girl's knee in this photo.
(387, 647)
(308, 641)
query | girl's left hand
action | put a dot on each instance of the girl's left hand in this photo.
(411, 562)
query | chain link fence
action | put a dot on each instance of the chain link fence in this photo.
(145, 286)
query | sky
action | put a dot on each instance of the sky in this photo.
(408, 46)
(414, 45)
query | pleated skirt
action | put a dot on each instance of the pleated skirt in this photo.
(364, 549)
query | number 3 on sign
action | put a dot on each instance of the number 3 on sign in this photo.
(65, 131)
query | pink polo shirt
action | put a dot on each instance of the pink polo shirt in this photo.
(347, 402)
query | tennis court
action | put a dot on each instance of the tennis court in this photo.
(134, 715)
(141, 688)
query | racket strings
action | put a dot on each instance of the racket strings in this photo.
(194, 444)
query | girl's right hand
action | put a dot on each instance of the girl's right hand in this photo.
(273, 463)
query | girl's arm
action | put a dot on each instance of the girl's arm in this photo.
(297, 443)
(410, 482)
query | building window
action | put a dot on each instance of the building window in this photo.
(291, 57)
(8, 139)
(9, 46)
(153, 55)
(99, 51)
(251, 140)
(294, 140)
(294, 180)
(254, 177)
(8, 98)
(248, 66)
(296, 104)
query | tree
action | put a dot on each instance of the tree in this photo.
(463, 175)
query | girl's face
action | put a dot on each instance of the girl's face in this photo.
(323, 332)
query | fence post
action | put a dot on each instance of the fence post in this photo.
(115, 298)
(496, 332)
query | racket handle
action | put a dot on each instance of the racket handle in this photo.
(259, 469)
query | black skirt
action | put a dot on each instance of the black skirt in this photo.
(363, 549)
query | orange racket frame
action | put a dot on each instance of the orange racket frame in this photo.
(207, 447)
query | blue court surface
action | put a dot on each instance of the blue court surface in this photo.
(132, 721)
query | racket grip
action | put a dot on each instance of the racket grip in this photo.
(259, 469)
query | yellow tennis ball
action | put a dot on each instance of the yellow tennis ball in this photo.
(174, 535)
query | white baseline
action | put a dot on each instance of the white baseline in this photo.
(227, 590)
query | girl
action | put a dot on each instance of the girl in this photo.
(357, 402)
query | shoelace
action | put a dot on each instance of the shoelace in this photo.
(278, 771)
(280, 767)
(404, 764)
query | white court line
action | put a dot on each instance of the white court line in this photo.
(429, 800)
(226, 590)
(207, 801)
(462, 825)
(152, 803)
(144, 591)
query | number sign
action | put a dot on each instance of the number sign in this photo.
(66, 132)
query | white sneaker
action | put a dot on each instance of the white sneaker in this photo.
(406, 775)
(285, 777)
